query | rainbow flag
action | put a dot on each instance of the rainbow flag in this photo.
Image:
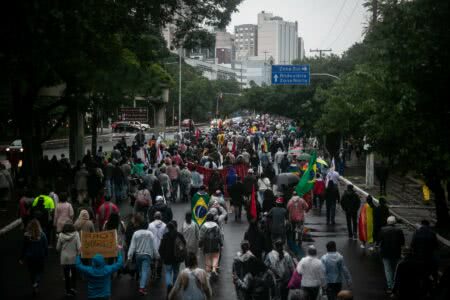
(365, 224)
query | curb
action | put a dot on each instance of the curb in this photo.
(10, 226)
(440, 238)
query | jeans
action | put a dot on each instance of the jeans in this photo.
(175, 184)
(212, 261)
(70, 277)
(261, 197)
(390, 264)
(171, 272)
(331, 211)
(352, 224)
(143, 267)
(333, 289)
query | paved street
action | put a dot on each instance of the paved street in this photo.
(366, 269)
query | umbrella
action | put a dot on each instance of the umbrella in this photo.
(287, 179)
(322, 162)
(303, 156)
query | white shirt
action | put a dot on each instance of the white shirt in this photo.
(143, 242)
(312, 271)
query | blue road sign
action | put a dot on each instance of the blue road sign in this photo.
(290, 74)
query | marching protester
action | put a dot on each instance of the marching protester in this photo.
(143, 249)
(34, 253)
(191, 233)
(69, 245)
(331, 198)
(391, 240)
(313, 273)
(350, 203)
(211, 241)
(83, 223)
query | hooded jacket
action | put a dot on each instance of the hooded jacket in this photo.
(335, 268)
(69, 245)
(99, 275)
(239, 263)
(210, 245)
(158, 228)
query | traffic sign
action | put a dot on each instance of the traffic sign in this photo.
(290, 74)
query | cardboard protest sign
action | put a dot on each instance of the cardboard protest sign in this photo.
(103, 242)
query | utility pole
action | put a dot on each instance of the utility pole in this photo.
(265, 76)
(320, 51)
(179, 91)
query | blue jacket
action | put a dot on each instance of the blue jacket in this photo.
(99, 275)
(335, 269)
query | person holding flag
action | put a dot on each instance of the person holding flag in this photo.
(199, 206)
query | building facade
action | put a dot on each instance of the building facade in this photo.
(225, 51)
(246, 41)
(301, 48)
(277, 39)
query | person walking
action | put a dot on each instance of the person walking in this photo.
(69, 246)
(297, 207)
(278, 216)
(282, 265)
(192, 283)
(163, 208)
(63, 213)
(240, 267)
(380, 215)
(142, 250)
(34, 252)
(335, 271)
(185, 183)
(391, 242)
(331, 198)
(255, 237)
(350, 203)
(191, 233)
(98, 276)
(104, 212)
(172, 252)
(318, 192)
(173, 171)
(257, 282)
(236, 192)
(83, 223)
(313, 273)
(158, 228)
(211, 241)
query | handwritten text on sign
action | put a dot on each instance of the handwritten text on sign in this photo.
(104, 243)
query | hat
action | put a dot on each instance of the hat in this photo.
(280, 200)
(218, 192)
(159, 198)
(250, 170)
(391, 220)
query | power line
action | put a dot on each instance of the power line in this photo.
(334, 23)
(345, 26)
(320, 51)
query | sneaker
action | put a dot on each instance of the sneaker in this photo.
(362, 246)
(143, 292)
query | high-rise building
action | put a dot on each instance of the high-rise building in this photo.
(301, 49)
(224, 48)
(246, 41)
(277, 39)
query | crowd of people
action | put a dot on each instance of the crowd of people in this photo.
(235, 171)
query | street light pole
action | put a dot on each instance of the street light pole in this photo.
(179, 90)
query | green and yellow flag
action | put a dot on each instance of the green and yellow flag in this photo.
(199, 206)
(306, 183)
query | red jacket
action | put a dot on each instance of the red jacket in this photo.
(319, 187)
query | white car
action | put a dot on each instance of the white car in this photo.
(143, 126)
(15, 146)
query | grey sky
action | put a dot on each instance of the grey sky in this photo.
(319, 21)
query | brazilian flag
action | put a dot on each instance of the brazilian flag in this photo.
(306, 183)
(199, 205)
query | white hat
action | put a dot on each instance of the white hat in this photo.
(159, 198)
(391, 220)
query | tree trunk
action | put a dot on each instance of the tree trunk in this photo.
(442, 216)
(28, 131)
(76, 132)
(94, 125)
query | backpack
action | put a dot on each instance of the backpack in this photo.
(212, 240)
(180, 250)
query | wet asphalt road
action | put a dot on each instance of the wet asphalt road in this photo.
(365, 268)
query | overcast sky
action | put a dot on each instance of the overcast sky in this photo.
(335, 24)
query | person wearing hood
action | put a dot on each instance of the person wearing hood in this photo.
(217, 197)
(163, 208)
(278, 216)
(313, 273)
(69, 245)
(263, 185)
(282, 265)
(257, 282)
(350, 203)
(255, 237)
(143, 248)
(83, 223)
(211, 241)
(240, 267)
(191, 233)
(173, 252)
(277, 159)
(158, 228)
(335, 271)
(98, 275)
